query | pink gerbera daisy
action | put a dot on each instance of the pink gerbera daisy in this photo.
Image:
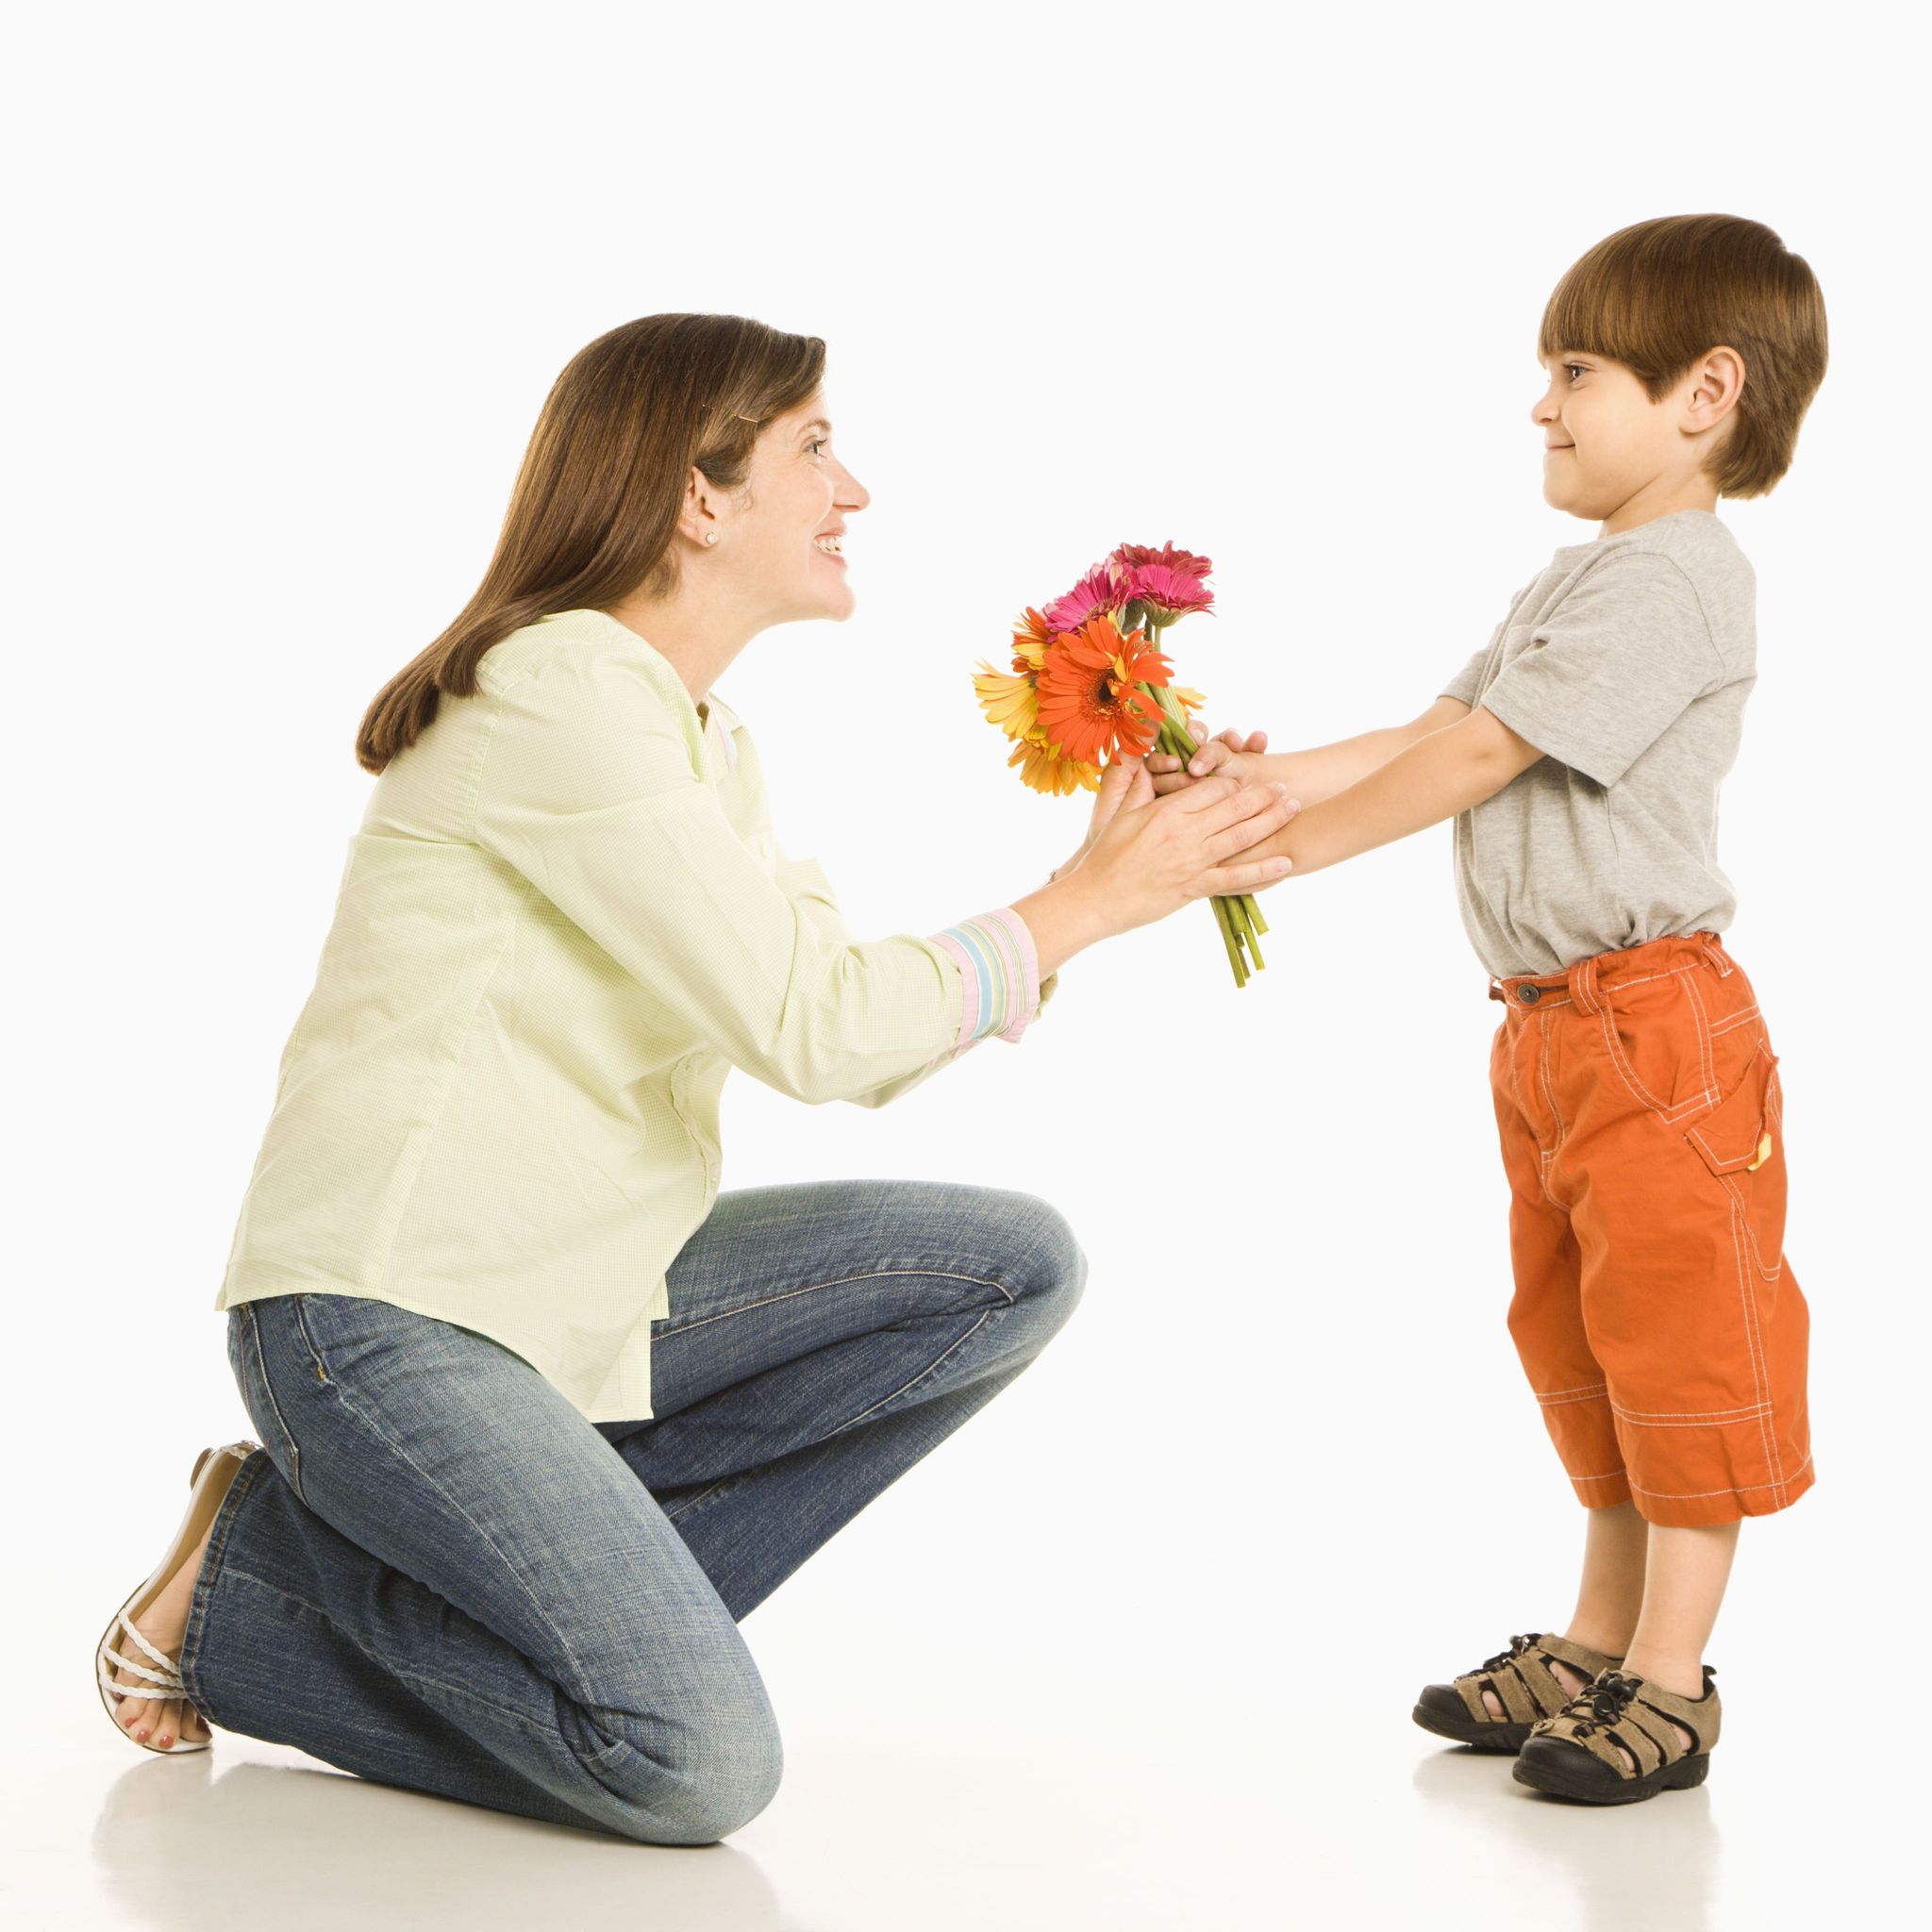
(1133, 555)
(1167, 592)
(1095, 595)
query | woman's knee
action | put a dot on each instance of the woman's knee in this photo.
(1049, 1269)
(699, 1780)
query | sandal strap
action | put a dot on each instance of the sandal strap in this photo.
(117, 1690)
(161, 1656)
(1641, 1717)
(1522, 1682)
(166, 1678)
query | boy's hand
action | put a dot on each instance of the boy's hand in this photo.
(1229, 752)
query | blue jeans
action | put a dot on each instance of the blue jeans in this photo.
(439, 1574)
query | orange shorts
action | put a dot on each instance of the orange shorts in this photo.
(1660, 1323)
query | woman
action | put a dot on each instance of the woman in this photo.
(497, 1537)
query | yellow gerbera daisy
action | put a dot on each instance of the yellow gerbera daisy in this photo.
(1047, 769)
(1011, 703)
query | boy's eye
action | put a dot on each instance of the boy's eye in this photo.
(1572, 365)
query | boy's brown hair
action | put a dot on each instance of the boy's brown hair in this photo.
(1658, 295)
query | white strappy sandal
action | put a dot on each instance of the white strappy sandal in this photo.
(208, 1483)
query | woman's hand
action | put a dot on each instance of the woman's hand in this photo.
(1146, 856)
(1227, 752)
(1113, 789)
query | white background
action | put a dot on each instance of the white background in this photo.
(1137, 1648)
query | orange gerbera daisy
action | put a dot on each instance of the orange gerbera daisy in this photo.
(1031, 636)
(1046, 768)
(1090, 703)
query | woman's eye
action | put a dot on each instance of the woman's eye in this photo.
(818, 442)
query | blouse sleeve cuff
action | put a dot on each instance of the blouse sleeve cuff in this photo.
(1000, 971)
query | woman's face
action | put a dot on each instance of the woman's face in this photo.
(781, 535)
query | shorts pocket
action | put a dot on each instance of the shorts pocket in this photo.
(1741, 1141)
(1659, 1041)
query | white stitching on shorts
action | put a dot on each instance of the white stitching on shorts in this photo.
(1726, 1421)
(1753, 1350)
(1703, 1025)
(1698, 1495)
(1735, 1019)
(1737, 1193)
(1628, 1074)
(1666, 1415)
(1597, 1394)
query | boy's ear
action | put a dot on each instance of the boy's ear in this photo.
(1715, 385)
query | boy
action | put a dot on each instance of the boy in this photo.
(1635, 1089)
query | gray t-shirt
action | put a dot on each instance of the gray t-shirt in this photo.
(1627, 663)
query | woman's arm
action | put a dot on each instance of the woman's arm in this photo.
(586, 789)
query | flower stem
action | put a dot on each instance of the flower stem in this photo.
(1236, 914)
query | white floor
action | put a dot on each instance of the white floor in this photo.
(956, 1760)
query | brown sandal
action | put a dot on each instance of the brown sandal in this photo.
(1524, 1685)
(1576, 1754)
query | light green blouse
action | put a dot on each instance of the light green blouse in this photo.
(564, 919)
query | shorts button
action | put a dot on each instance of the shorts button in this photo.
(1529, 995)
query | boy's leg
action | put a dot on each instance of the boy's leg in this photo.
(1609, 1599)
(821, 1338)
(1546, 1323)
(1682, 1589)
(1675, 1168)
(1546, 1320)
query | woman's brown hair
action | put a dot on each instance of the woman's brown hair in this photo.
(601, 486)
(1659, 294)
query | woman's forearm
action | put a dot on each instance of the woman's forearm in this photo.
(1064, 918)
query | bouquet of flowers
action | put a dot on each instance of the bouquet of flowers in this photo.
(1091, 684)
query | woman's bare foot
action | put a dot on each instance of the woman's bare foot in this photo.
(160, 1721)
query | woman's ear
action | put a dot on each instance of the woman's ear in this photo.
(697, 520)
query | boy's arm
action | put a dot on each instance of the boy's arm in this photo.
(1323, 769)
(1435, 777)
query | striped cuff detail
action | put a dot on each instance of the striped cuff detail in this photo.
(1001, 970)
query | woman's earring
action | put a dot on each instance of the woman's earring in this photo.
(711, 535)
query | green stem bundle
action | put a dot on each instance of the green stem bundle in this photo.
(1238, 916)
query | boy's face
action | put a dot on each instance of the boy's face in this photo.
(1607, 446)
